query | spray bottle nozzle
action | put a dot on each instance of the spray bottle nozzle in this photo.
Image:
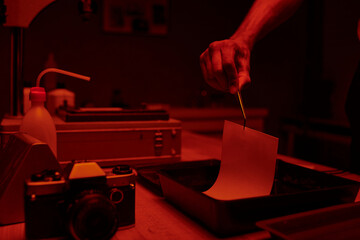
(75, 75)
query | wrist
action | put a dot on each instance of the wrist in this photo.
(242, 40)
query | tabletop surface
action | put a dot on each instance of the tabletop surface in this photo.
(155, 218)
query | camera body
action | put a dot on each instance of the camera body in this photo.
(88, 203)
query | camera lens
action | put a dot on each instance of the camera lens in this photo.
(93, 217)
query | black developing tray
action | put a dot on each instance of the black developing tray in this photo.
(203, 174)
(330, 223)
(295, 189)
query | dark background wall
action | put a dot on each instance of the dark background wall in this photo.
(306, 62)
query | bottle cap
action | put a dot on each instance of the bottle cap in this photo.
(37, 94)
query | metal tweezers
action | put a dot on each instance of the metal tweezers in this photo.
(242, 108)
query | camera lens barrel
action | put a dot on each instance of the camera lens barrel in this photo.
(92, 217)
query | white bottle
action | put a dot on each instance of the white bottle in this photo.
(37, 122)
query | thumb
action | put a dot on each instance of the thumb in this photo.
(242, 80)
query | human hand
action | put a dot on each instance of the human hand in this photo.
(225, 65)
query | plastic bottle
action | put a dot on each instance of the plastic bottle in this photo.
(37, 122)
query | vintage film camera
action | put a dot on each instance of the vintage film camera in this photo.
(87, 203)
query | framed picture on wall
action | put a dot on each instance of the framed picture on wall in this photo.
(136, 16)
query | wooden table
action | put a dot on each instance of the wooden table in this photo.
(157, 219)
